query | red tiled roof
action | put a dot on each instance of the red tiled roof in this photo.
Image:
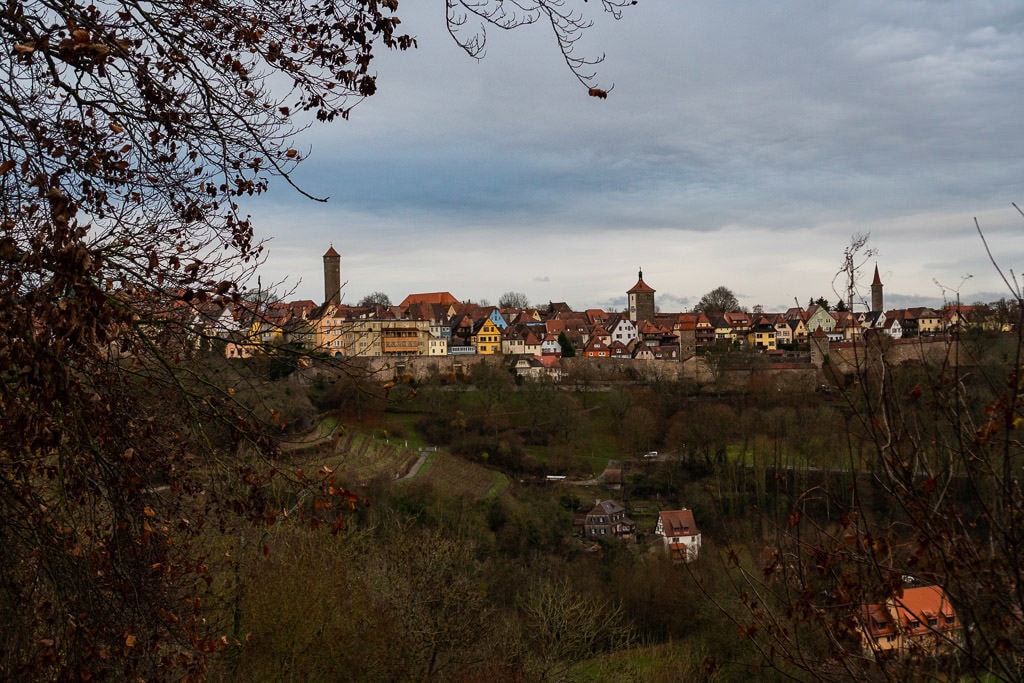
(445, 298)
(678, 523)
(640, 286)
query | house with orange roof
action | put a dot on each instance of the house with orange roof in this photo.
(919, 621)
(651, 334)
(679, 534)
(552, 367)
(443, 298)
(739, 321)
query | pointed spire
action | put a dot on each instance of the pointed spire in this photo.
(877, 280)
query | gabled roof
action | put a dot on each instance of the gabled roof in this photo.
(735, 318)
(678, 523)
(331, 252)
(555, 326)
(922, 312)
(555, 307)
(643, 352)
(445, 298)
(647, 327)
(550, 362)
(914, 606)
(617, 348)
(480, 323)
(606, 507)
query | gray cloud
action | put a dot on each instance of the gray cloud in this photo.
(742, 145)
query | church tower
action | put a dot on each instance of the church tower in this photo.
(332, 276)
(876, 292)
(641, 301)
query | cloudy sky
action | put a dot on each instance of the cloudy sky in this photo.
(742, 145)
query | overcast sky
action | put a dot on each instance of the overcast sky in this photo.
(743, 144)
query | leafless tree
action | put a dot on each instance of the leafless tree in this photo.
(924, 489)
(130, 131)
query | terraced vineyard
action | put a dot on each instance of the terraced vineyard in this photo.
(358, 458)
(455, 476)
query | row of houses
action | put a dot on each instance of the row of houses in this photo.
(433, 324)
(453, 328)
(438, 324)
(771, 331)
(677, 529)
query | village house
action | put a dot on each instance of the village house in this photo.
(679, 534)
(608, 519)
(920, 621)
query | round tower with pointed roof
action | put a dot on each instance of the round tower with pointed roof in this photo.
(641, 300)
(332, 276)
(877, 303)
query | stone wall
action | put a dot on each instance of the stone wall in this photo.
(839, 358)
(847, 357)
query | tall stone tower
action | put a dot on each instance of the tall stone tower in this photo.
(641, 300)
(876, 292)
(332, 276)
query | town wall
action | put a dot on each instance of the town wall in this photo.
(847, 357)
(842, 358)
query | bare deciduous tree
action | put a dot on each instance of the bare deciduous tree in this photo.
(512, 299)
(924, 490)
(129, 133)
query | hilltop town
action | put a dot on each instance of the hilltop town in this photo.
(438, 324)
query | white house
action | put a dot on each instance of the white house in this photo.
(623, 331)
(679, 534)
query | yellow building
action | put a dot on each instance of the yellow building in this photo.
(762, 336)
(486, 337)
